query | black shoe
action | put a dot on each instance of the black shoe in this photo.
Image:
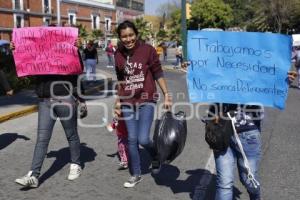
(156, 166)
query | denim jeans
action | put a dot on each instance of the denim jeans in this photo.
(298, 71)
(90, 69)
(110, 60)
(226, 161)
(49, 110)
(138, 121)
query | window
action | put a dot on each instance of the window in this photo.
(107, 24)
(18, 20)
(72, 18)
(95, 21)
(18, 4)
(47, 21)
(123, 3)
(137, 6)
(47, 6)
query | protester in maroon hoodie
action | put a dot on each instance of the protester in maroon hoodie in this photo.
(138, 68)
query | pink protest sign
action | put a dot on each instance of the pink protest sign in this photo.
(46, 50)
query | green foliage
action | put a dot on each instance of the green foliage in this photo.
(175, 25)
(161, 36)
(210, 14)
(266, 15)
(143, 27)
(8, 66)
(82, 32)
(96, 34)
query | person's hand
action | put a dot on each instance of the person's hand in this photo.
(77, 43)
(292, 75)
(10, 92)
(12, 46)
(168, 101)
(184, 65)
(117, 109)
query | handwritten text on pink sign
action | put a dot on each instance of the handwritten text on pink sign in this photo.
(46, 50)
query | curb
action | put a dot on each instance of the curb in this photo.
(31, 109)
(20, 113)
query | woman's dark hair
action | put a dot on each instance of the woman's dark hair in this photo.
(126, 24)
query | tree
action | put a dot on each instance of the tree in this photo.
(82, 31)
(242, 10)
(143, 28)
(175, 25)
(161, 36)
(210, 14)
(266, 15)
(96, 34)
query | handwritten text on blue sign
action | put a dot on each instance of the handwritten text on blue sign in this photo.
(238, 67)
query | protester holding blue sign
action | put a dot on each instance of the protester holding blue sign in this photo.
(223, 69)
(247, 123)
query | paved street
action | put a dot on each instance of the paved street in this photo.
(101, 179)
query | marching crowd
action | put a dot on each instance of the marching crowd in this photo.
(138, 70)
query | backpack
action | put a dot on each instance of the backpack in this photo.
(218, 134)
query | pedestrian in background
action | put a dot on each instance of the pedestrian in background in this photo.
(4, 83)
(178, 54)
(296, 58)
(4, 53)
(50, 108)
(138, 67)
(90, 57)
(165, 51)
(110, 50)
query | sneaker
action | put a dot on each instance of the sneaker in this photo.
(132, 181)
(28, 180)
(156, 166)
(75, 172)
(123, 166)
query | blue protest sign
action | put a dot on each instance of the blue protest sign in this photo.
(238, 67)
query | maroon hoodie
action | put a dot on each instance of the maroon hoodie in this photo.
(138, 69)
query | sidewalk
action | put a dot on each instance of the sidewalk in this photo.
(25, 102)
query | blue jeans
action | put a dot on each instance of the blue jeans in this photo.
(91, 69)
(138, 121)
(110, 60)
(47, 115)
(226, 161)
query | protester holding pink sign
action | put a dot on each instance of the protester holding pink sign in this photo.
(50, 55)
(46, 50)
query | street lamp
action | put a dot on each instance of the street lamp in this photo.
(183, 29)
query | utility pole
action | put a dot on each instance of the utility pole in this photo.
(183, 29)
(58, 12)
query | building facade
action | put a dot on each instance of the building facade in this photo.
(129, 10)
(93, 14)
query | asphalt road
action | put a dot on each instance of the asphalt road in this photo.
(279, 172)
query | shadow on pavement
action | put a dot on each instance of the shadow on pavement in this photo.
(212, 190)
(168, 177)
(63, 158)
(7, 138)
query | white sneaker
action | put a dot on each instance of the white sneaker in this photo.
(28, 180)
(75, 172)
(132, 181)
